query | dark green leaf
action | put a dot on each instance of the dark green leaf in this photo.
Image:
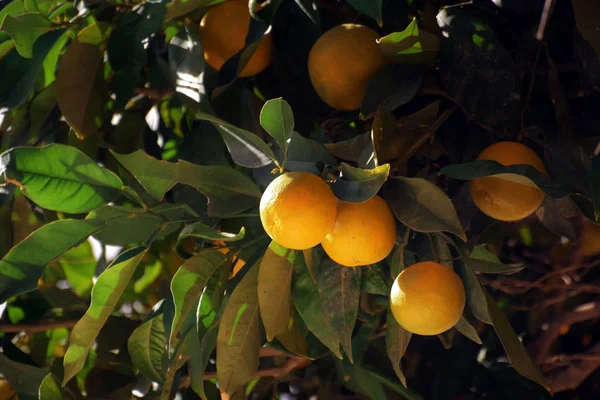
(186, 61)
(372, 8)
(356, 378)
(107, 292)
(14, 8)
(373, 281)
(188, 282)
(464, 327)
(393, 86)
(147, 346)
(21, 268)
(301, 149)
(520, 173)
(392, 385)
(202, 231)
(130, 225)
(595, 186)
(358, 185)
(228, 191)
(40, 108)
(49, 389)
(351, 149)
(488, 267)
(238, 341)
(20, 73)
(396, 342)
(277, 118)
(515, 350)
(412, 45)
(180, 357)
(199, 359)
(274, 288)
(126, 53)
(95, 34)
(293, 339)
(80, 87)
(475, 294)
(24, 30)
(60, 178)
(25, 379)
(478, 72)
(305, 296)
(48, 73)
(246, 149)
(339, 291)
(422, 206)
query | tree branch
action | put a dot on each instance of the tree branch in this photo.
(37, 327)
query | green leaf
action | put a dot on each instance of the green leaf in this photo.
(181, 356)
(274, 288)
(478, 72)
(14, 8)
(146, 346)
(293, 339)
(396, 342)
(48, 73)
(520, 173)
(79, 266)
(24, 378)
(391, 87)
(107, 292)
(305, 296)
(202, 231)
(59, 178)
(277, 118)
(356, 378)
(24, 30)
(464, 327)
(126, 225)
(373, 281)
(488, 267)
(422, 206)
(515, 350)
(188, 282)
(199, 359)
(392, 385)
(126, 53)
(411, 46)
(228, 191)
(49, 389)
(339, 291)
(351, 149)
(21, 268)
(475, 294)
(238, 341)
(20, 73)
(358, 185)
(95, 34)
(40, 109)
(179, 8)
(371, 8)
(246, 149)
(80, 88)
(301, 149)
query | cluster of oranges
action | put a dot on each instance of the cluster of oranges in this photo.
(299, 210)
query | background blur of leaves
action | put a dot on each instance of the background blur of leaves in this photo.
(135, 155)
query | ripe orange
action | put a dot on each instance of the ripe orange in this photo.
(223, 31)
(589, 241)
(502, 199)
(297, 210)
(342, 63)
(363, 233)
(427, 298)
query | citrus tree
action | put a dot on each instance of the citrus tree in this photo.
(284, 199)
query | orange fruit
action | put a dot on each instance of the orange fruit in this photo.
(589, 240)
(297, 210)
(502, 199)
(223, 31)
(363, 233)
(427, 298)
(342, 63)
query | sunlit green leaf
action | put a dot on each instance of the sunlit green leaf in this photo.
(277, 118)
(25, 29)
(106, 294)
